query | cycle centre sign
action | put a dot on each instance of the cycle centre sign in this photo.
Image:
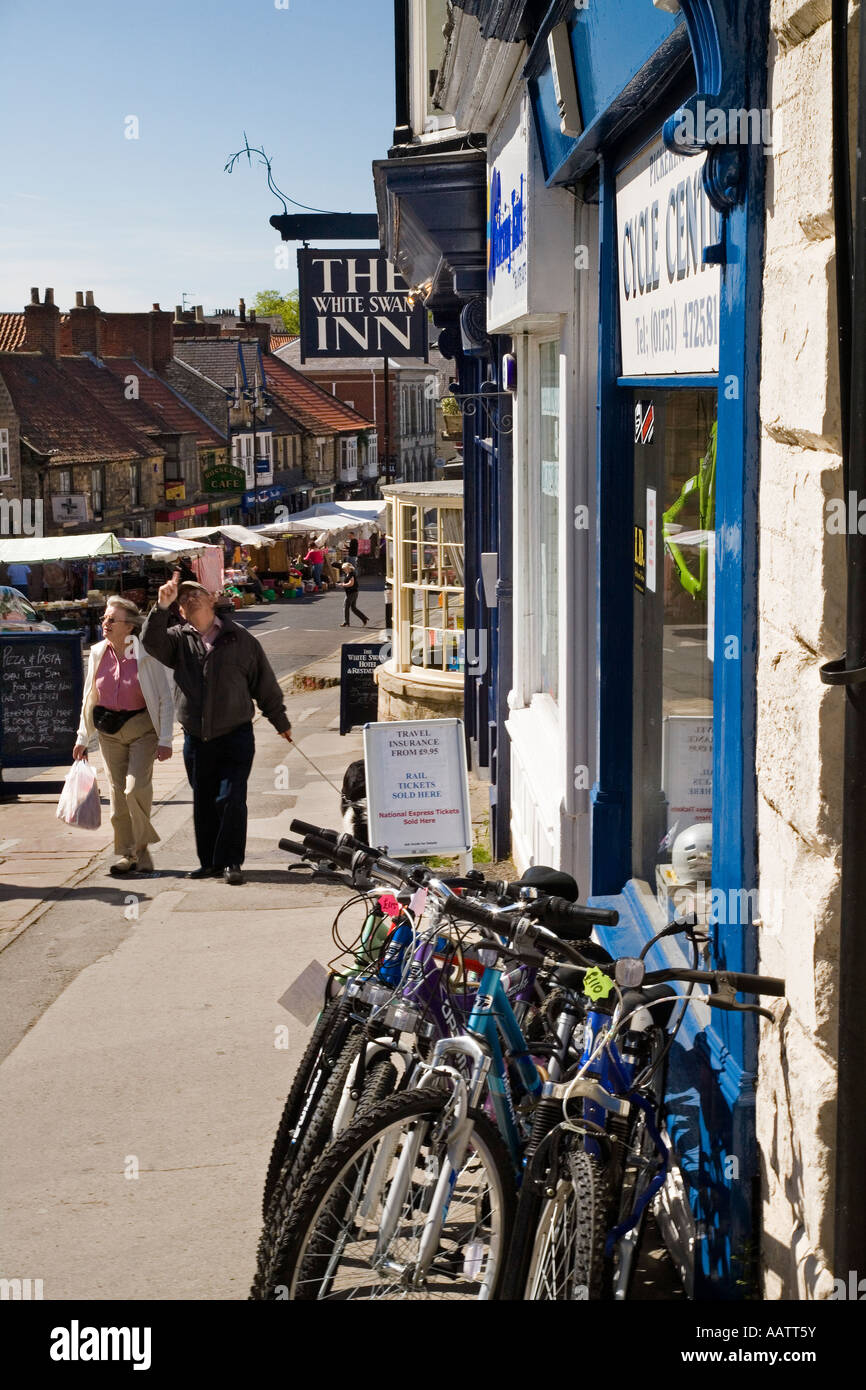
(668, 297)
(418, 787)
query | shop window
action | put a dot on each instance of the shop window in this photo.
(97, 491)
(135, 484)
(424, 559)
(674, 556)
(547, 499)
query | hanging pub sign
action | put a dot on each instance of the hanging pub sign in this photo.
(355, 304)
(668, 297)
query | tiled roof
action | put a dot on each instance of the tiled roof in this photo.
(281, 340)
(11, 332)
(217, 358)
(315, 408)
(109, 390)
(291, 353)
(172, 412)
(49, 405)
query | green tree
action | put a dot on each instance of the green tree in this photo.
(272, 302)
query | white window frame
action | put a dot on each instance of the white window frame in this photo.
(5, 459)
(410, 589)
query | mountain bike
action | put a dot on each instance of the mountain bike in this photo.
(598, 1156)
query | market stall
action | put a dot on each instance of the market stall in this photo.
(73, 575)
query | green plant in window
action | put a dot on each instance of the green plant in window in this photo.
(704, 484)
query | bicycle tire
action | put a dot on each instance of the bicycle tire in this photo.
(320, 1256)
(318, 1130)
(333, 1014)
(568, 1261)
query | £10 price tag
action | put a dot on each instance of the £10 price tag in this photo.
(597, 985)
(389, 905)
(418, 901)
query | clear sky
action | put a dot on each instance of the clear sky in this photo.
(142, 220)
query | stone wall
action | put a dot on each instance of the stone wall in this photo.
(801, 624)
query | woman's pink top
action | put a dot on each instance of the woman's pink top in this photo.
(117, 684)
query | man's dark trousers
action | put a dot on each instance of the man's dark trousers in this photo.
(218, 770)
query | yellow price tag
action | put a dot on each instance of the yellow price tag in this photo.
(597, 985)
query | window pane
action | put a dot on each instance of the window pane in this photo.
(674, 520)
(548, 506)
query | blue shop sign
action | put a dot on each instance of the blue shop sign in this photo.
(262, 494)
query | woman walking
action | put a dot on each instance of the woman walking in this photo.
(128, 701)
(350, 586)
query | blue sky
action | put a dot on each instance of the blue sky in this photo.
(142, 220)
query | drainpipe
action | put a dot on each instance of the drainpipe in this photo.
(849, 1252)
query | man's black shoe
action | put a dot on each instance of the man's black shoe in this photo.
(232, 873)
(206, 871)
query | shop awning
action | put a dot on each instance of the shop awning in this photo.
(37, 550)
(330, 520)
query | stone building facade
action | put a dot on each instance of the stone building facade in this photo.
(801, 624)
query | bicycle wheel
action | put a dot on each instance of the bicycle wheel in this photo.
(379, 1082)
(356, 1227)
(331, 1017)
(568, 1256)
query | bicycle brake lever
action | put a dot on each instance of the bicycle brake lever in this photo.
(724, 999)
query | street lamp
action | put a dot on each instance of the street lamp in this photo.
(259, 406)
(233, 402)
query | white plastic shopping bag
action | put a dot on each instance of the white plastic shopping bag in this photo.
(79, 801)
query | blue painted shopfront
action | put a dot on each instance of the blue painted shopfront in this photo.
(636, 66)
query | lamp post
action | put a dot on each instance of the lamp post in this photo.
(258, 406)
(233, 401)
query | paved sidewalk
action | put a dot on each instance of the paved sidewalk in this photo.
(139, 1102)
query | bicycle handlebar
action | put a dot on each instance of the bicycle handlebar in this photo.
(733, 979)
(571, 921)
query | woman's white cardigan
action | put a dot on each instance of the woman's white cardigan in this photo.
(155, 683)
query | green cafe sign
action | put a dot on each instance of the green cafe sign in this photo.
(224, 479)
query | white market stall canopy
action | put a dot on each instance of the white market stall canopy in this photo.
(241, 535)
(161, 547)
(37, 550)
(328, 519)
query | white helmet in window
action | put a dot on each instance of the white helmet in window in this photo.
(692, 854)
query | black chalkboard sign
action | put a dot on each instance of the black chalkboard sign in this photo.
(41, 684)
(359, 693)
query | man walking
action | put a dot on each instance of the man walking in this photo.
(219, 669)
(350, 585)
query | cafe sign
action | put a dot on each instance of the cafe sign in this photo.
(224, 479)
(668, 297)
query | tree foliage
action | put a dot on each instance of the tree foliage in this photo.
(272, 302)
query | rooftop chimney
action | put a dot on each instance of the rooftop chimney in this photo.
(85, 322)
(178, 313)
(42, 325)
(199, 313)
(156, 309)
(242, 311)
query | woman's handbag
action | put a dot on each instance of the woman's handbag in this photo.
(79, 803)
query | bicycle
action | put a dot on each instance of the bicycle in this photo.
(592, 1173)
(416, 1198)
